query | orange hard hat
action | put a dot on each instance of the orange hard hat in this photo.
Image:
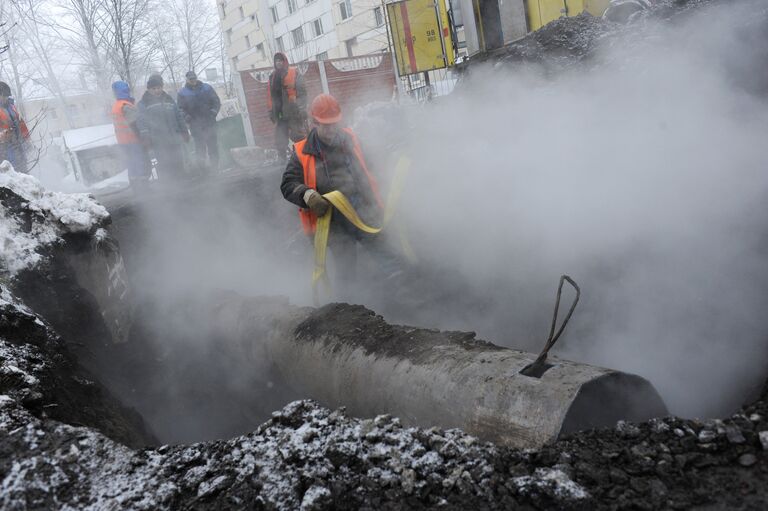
(325, 109)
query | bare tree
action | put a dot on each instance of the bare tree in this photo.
(225, 68)
(40, 48)
(9, 64)
(129, 32)
(86, 31)
(170, 56)
(198, 27)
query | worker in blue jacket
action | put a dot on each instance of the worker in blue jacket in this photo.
(200, 105)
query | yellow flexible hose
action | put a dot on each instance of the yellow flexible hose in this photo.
(339, 201)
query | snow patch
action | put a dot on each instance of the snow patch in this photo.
(552, 480)
(60, 213)
(75, 212)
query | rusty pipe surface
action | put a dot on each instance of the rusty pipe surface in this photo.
(346, 355)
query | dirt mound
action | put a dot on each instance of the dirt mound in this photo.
(572, 42)
(309, 457)
(38, 373)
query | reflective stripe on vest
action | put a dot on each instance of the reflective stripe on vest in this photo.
(308, 218)
(123, 131)
(289, 85)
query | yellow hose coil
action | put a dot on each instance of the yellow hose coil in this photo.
(342, 204)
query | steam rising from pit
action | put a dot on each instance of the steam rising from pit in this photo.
(642, 175)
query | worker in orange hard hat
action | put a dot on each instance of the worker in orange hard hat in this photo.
(287, 103)
(329, 159)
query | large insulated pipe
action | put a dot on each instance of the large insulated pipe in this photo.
(345, 355)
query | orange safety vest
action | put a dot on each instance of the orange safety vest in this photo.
(289, 84)
(123, 130)
(6, 123)
(308, 218)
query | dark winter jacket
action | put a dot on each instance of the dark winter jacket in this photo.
(282, 107)
(336, 168)
(160, 121)
(199, 104)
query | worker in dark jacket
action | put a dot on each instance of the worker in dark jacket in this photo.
(329, 159)
(287, 102)
(162, 129)
(14, 135)
(200, 105)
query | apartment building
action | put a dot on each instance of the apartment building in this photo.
(302, 29)
(50, 117)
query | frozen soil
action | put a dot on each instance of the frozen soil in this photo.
(309, 457)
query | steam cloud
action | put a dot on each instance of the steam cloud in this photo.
(643, 177)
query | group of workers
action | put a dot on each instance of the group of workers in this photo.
(325, 156)
(158, 127)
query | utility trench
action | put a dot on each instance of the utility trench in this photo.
(167, 357)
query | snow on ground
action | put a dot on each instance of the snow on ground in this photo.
(116, 182)
(298, 460)
(76, 212)
(62, 213)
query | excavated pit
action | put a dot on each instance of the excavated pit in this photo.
(203, 364)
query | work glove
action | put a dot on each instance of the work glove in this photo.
(316, 202)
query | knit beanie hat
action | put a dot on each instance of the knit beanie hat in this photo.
(155, 80)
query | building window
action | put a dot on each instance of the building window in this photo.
(298, 36)
(292, 6)
(54, 115)
(247, 41)
(345, 8)
(317, 27)
(223, 12)
(260, 51)
(241, 11)
(280, 44)
(350, 43)
(379, 15)
(229, 36)
(275, 16)
(255, 20)
(307, 2)
(322, 56)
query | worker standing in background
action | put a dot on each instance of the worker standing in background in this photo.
(287, 102)
(162, 129)
(14, 134)
(329, 159)
(200, 105)
(124, 117)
